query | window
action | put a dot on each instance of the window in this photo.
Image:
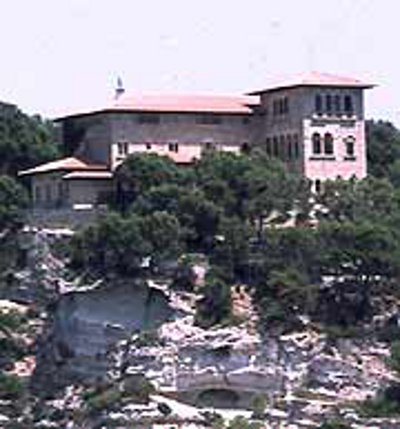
(318, 186)
(318, 104)
(122, 148)
(209, 146)
(338, 106)
(289, 147)
(282, 147)
(328, 104)
(275, 107)
(173, 147)
(328, 144)
(38, 194)
(316, 144)
(60, 191)
(149, 118)
(48, 193)
(275, 147)
(245, 148)
(348, 105)
(209, 119)
(268, 146)
(349, 142)
(280, 106)
(296, 147)
(285, 105)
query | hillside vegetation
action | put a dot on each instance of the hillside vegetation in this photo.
(334, 257)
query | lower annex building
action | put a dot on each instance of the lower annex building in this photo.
(314, 123)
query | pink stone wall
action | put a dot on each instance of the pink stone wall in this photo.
(330, 167)
(187, 153)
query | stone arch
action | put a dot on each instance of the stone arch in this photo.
(218, 398)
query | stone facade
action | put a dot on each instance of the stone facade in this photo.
(181, 136)
(315, 124)
(317, 130)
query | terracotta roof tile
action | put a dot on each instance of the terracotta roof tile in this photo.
(187, 103)
(88, 175)
(315, 79)
(175, 104)
(64, 164)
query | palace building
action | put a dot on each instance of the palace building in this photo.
(314, 123)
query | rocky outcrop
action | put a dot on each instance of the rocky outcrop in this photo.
(233, 365)
(116, 328)
(87, 322)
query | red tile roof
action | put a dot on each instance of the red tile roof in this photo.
(88, 175)
(175, 104)
(186, 103)
(64, 164)
(316, 79)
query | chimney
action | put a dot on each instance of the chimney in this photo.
(119, 90)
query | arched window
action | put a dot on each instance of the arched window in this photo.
(348, 105)
(349, 142)
(318, 104)
(316, 144)
(328, 104)
(328, 144)
(338, 105)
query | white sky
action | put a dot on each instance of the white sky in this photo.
(59, 55)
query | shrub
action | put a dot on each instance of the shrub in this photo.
(385, 404)
(137, 388)
(241, 422)
(258, 405)
(215, 305)
(184, 277)
(11, 387)
(334, 424)
(105, 400)
(394, 359)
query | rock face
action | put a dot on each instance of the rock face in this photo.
(86, 323)
(96, 331)
(229, 366)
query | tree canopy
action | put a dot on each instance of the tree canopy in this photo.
(233, 208)
(24, 140)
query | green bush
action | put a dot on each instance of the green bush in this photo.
(11, 387)
(215, 305)
(119, 244)
(334, 424)
(184, 277)
(258, 405)
(105, 400)
(137, 388)
(11, 320)
(394, 359)
(243, 423)
(385, 404)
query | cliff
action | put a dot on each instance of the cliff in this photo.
(117, 329)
